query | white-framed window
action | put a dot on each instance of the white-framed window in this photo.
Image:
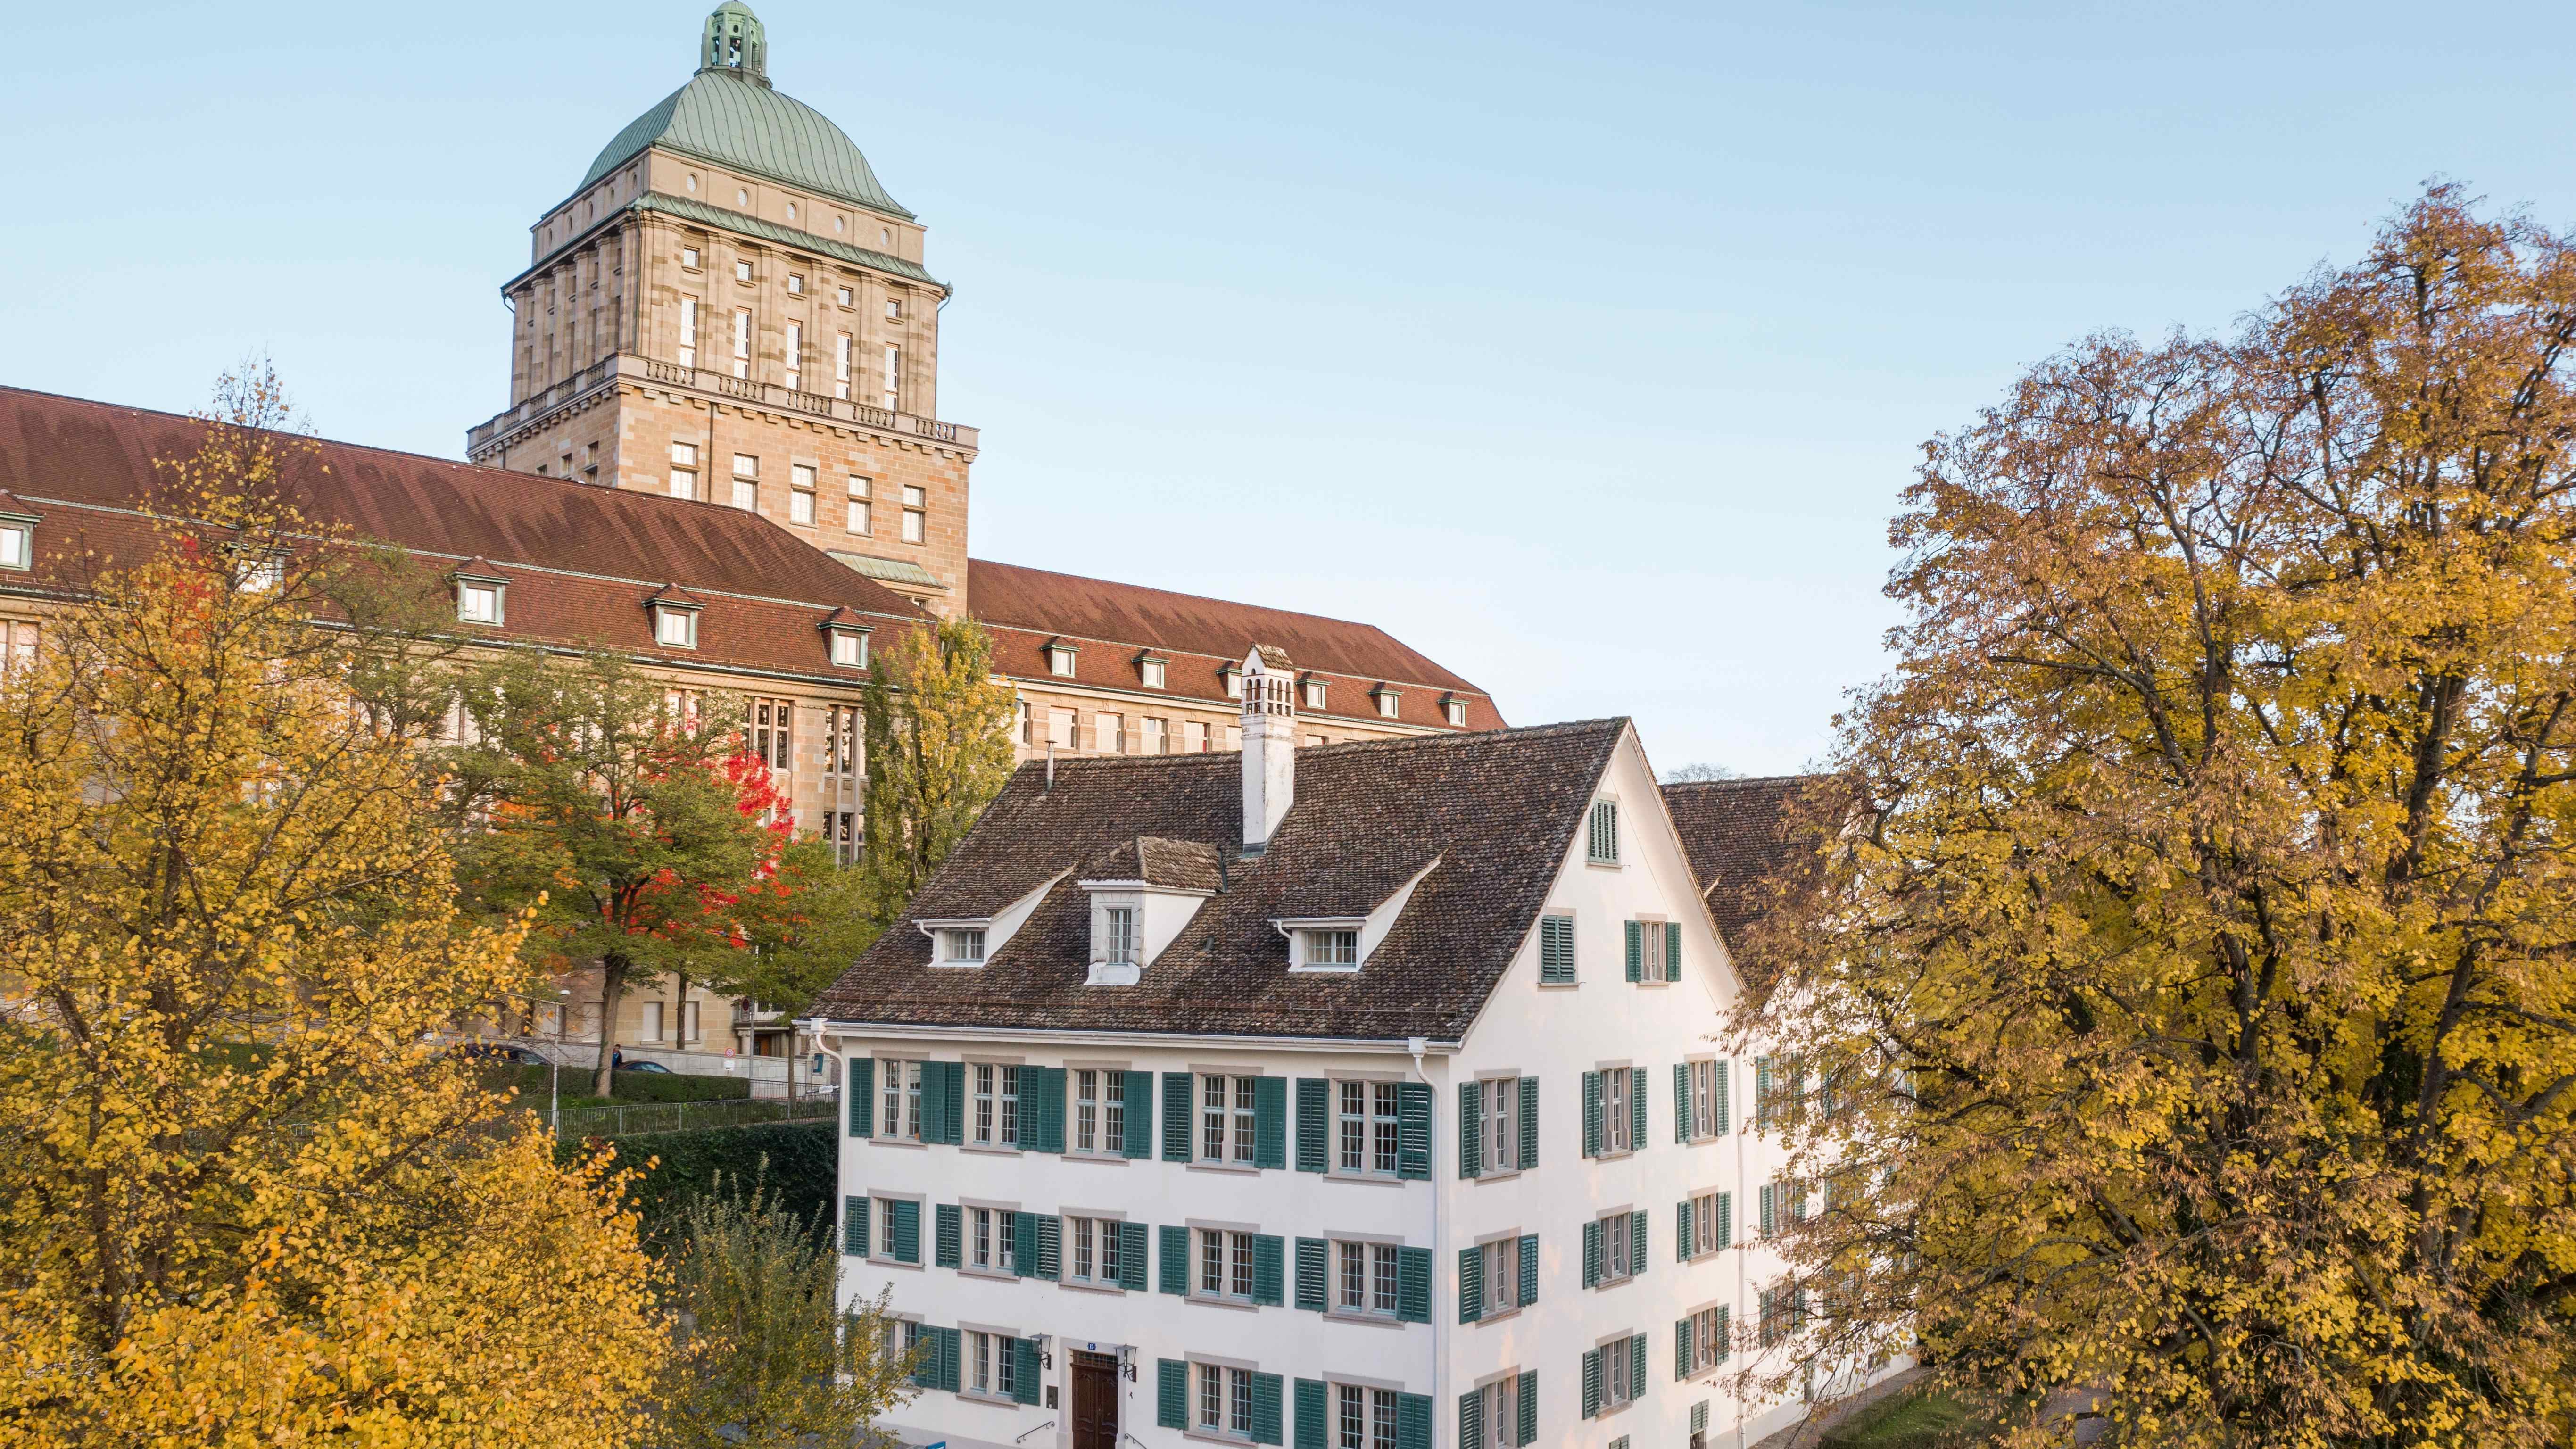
(689, 255)
(650, 1028)
(746, 482)
(1330, 948)
(1363, 1417)
(899, 1113)
(742, 341)
(1225, 1265)
(892, 389)
(1225, 1401)
(1100, 1112)
(742, 267)
(1456, 711)
(1618, 1370)
(1060, 728)
(1364, 1278)
(916, 516)
(1712, 1222)
(991, 1355)
(1365, 1128)
(1618, 1115)
(1118, 943)
(1314, 694)
(894, 309)
(1502, 1275)
(1092, 1251)
(476, 603)
(989, 1232)
(689, 322)
(1109, 732)
(847, 296)
(262, 573)
(1194, 737)
(996, 1094)
(1153, 736)
(1060, 664)
(675, 628)
(841, 357)
(800, 494)
(1708, 1099)
(1601, 835)
(684, 470)
(1233, 682)
(1225, 1121)
(1152, 670)
(849, 648)
(796, 356)
(1709, 1330)
(963, 945)
(17, 545)
(1501, 1125)
(1619, 1248)
(795, 280)
(859, 516)
(1386, 704)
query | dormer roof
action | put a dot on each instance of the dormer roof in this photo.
(1157, 862)
(672, 596)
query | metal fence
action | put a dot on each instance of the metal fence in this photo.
(627, 1120)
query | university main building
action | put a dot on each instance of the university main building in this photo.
(724, 366)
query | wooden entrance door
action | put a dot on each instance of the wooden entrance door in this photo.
(1095, 1401)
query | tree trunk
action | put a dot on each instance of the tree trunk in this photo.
(612, 988)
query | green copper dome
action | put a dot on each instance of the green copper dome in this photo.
(727, 115)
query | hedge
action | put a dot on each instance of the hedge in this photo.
(802, 1166)
(627, 1086)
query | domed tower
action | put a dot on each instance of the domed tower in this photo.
(730, 308)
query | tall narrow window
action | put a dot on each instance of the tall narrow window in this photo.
(859, 521)
(986, 1077)
(893, 390)
(800, 495)
(741, 343)
(1086, 1112)
(841, 357)
(684, 470)
(746, 482)
(796, 357)
(1118, 937)
(689, 331)
(1601, 841)
(916, 517)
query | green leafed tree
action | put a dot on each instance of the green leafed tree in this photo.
(938, 750)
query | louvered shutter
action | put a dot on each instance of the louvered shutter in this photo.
(1270, 1122)
(1312, 1287)
(1042, 1109)
(1672, 950)
(1413, 1130)
(1592, 1253)
(1681, 1102)
(1471, 1417)
(1682, 1218)
(1314, 1124)
(854, 1226)
(950, 1229)
(1529, 1269)
(955, 1075)
(1471, 1284)
(930, 1119)
(1637, 1244)
(1761, 1093)
(1592, 1114)
(1471, 1129)
(1131, 1256)
(1269, 1256)
(1024, 1370)
(1592, 1383)
(1140, 1114)
(1175, 1256)
(950, 1344)
(1726, 1220)
(1314, 1429)
(1171, 1393)
(1050, 1246)
(1768, 1218)
(1265, 1408)
(1637, 1367)
(1176, 1116)
(1529, 1409)
(905, 1217)
(1413, 1421)
(1413, 1285)
(1024, 1245)
(862, 1088)
(1681, 1349)
(1636, 950)
(1529, 1123)
(1725, 1332)
(1637, 1108)
(1719, 1071)
(1556, 949)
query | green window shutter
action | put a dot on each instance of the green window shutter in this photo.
(1471, 1417)
(1529, 1270)
(1681, 1349)
(1682, 1231)
(906, 1218)
(1556, 949)
(1637, 1107)
(1726, 1220)
(1761, 1093)
(1767, 1217)
(1413, 1285)
(1529, 1123)
(1681, 1102)
(1024, 1370)
(862, 1087)
(1471, 1284)
(1176, 1115)
(1529, 1408)
(1270, 1122)
(1413, 1421)
(1140, 1114)
(1592, 1253)
(1592, 1114)
(1131, 1255)
(930, 1121)
(1637, 1244)
(1269, 1255)
(1672, 950)
(1725, 1333)
(1311, 1270)
(1050, 1246)
(1314, 1124)
(1314, 1431)
(951, 1233)
(1171, 1394)
(1413, 1129)
(951, 1346)
(854, 1226)
(1636, 950)
(1041, 1109)
(1175, 1259)
(1723, 1069)
(1471, 1129)
(1637, 1368)
(952, 1100)
(1591, 1383)
(1265, 1408)
(1024, 1244)
(1699, 1417)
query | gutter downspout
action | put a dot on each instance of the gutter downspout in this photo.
(1418, 1046)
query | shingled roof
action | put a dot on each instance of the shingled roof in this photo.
(1739, 834)
(1497, 811)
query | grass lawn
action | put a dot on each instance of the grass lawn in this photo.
(1916, 1419)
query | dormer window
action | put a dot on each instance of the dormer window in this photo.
(1233, 676)
(1455, 710)
(1060, 660)
(478, 603)
(1326, 949)
(850, 648)
(962, 946)
(1152, 670)
(675, 628)
(17, 540)
(1386, 701)
(1314, 694)
(263, 573)
(1118, 938)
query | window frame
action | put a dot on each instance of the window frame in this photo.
(1378, 1134)
(466, 589)
(1601, 832)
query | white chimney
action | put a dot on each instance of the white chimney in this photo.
(1269, 743)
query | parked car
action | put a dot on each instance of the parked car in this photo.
(486, 1051)
(644, 1067)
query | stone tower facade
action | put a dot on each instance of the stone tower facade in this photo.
(730, 308)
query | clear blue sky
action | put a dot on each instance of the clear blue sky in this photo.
(1585, 348)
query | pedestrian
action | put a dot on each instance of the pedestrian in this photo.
(617, 1059)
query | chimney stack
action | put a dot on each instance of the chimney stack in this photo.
(1269, 743)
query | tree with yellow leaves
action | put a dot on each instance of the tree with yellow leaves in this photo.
(244, 1198)
(2189, 1020)
(938, 741)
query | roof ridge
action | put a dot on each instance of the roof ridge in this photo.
(1178, 594)
(1743, 780)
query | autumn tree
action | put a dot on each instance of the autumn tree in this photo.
(244, 1198)
(938, 749)
(631, 821)
(2192, 1019)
